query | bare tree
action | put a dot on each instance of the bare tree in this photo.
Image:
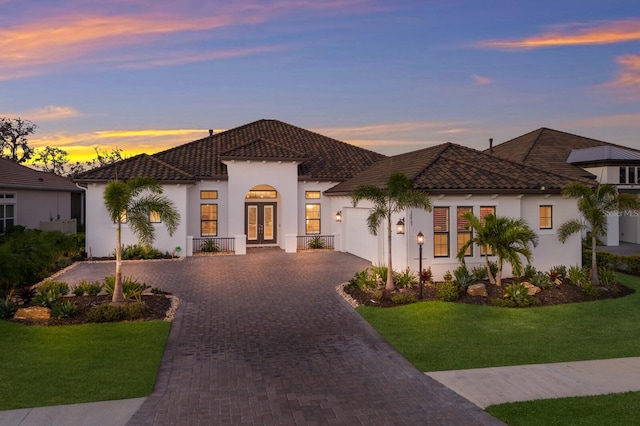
(13, 139)
(52, 160)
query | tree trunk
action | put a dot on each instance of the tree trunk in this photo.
(389, 286)
(594, 262)
(118, 296)
(489, 274)
(499, 273)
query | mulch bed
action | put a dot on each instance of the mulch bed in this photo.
(155, 308)
(564, 293)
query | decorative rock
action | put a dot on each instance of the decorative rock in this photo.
(557, 281)
(477, 290)
(34, 312)
(532, 289)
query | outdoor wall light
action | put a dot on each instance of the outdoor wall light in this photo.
(339, 216)
(400, 227)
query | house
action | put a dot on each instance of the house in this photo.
(37, 200)
(580, 157)
(460, 180)
(269, 183)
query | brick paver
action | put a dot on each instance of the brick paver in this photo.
(264, 339)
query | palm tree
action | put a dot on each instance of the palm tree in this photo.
(595, 204)
(399, 195)
(134, 201)
(508, 238)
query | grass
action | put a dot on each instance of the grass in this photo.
(436, 336)
(44, 366)
(602, 410)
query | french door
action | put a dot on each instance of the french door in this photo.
(260, 223)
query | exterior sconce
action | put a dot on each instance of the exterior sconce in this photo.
(400, 227)
(339, 216)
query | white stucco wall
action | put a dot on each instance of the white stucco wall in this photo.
(327, 215)
(194, 201)
(283, 176)
(101, 231)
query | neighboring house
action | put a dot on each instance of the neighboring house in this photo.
(37, 200)
(579, 157)
(269, 183)
(459, 180)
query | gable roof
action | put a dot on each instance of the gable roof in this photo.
(17, 176)
(455, 169)
(548, 149)
(320, 157)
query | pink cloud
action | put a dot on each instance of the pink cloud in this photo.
(482, 80)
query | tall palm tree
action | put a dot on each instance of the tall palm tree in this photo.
(595, 204)
(397, 196)
(134, 201)
(508, 238)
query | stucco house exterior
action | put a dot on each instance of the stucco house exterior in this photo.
(269, 183)
(37, 200)
(581, 157)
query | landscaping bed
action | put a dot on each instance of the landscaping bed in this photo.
(563, 293)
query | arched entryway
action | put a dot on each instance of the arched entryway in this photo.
(261, 215)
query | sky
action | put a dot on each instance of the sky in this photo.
(390, 76)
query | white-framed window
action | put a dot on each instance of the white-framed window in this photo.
(485, 210)
(441, 231)
(208, 220)
(629, 175)
(208, 195)
(312, 218)
(312, 195)
(7, 211)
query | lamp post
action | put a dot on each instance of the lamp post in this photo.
(420, 240)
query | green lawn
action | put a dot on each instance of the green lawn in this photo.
(616, 409)
(64, 365)
(437, 336)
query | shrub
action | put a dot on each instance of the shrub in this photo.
(363, 280)
(131, 288)
(50, 292)
(427, 275)
(137, 251)
(379, 273)
(316, 243)
(577, 275)
(8, 308)
(64, 309)
(516, 292)
(377, 295)
(25, 294)
(447, 292)
(57, 286)
(633, 264)
(404, 298)
(447, 276)
(607, 260)
(462, 277)
(607, 276)
(111, 313)
(493, 266)
(529, 271)
(93, 288)
(79, 289)
(479, 273)
(542, 280)
(209, 246)
(561, 271)
(404, 279)
(590, 290)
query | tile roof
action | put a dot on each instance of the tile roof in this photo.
(451, 168)
(323, 158)
(17, 176)
(140, 165)
(548, 149)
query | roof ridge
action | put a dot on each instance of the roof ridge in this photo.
(170, 166)
(260, 139)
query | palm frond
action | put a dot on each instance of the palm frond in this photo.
(569, 228)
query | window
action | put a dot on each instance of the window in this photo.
(546, 213)
(441, 231)
(208, 220)
(623, 175)
(270, 194)
(208, 195)
(485, 210)
(312, 218)
(123, 217)
(630, 175)
(312, 195)
(464, 233)
(7, 211)
(154, 217)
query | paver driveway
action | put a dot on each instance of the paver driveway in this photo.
(265, 339)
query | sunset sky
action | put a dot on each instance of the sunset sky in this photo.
(390, 76)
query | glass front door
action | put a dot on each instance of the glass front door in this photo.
(260, 223)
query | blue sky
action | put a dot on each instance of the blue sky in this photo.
(391, 76)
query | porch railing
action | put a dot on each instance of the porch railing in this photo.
(212, 245)
(315, 242)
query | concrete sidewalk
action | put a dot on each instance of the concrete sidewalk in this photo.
(482, 386)
(497, 385)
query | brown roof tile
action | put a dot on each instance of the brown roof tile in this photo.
(14, 175)
(325, 158)
(548, 149)
(451, 168)
(138, 166)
